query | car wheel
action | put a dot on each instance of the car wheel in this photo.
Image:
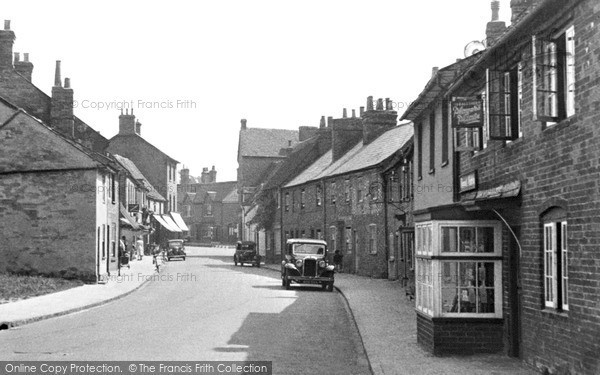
(330, 286)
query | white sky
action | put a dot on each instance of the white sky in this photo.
(279, 64)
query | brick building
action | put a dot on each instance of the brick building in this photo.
(59, 208)
(344, 197)
(159, 168)
(258, 149)
(209, 208)
(514, 242)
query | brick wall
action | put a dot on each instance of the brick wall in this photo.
(557, 166)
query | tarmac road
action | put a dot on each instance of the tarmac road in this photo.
(204, 309)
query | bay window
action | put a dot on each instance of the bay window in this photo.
(459, 269)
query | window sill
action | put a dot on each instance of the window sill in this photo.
(419, 178)
(444, 163)
(558, 125)
(431, 171)
(549, 311)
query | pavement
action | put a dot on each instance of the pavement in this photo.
(384, 317)
(79, 298)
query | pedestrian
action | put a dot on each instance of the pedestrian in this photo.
(139, 246)
(338, 259)
(122, 246)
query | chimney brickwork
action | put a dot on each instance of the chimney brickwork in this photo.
(127, 123)
(495, 28)
(345, 134)
(377, 121)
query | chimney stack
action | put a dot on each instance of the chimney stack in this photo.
(7, 40)
(345, 134)
(495, 28)
(370, 103)
(243, 121)
(24, 68)
(127, 123)
(204, 177)
(61, 105)
(376, 122)
(138, 127)
(212, 175)
(518, 7)
(184, 177)
(322, 122)
(344, 113)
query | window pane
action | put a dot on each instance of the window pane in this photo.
(485, 240)
(449, 239)
(467, 240)
(450, 287)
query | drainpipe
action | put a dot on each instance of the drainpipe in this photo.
(385, 222)
(281, 232)
(324, 203)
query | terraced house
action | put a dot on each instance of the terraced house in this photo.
(507, 258)
(346, 195)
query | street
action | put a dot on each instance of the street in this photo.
(204, 308)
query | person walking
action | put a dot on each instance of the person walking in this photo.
(139, 246)
(338, 259)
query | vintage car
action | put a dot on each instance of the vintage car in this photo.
(175, 249)
(305, 262)
(246, 252)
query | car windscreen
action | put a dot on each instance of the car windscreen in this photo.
(308, 249)
(175, 245)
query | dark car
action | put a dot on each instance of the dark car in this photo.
(305, 262)
(246, 252)
(175, 249)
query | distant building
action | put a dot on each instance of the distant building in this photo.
(209, 208)
(257, 150)
(159, 168)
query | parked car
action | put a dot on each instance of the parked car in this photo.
(246, 252)
(305, 262)
(175, 249)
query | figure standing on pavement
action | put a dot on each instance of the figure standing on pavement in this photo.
(338, 259)
(139, 246)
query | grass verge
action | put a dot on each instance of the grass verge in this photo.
(15, 287)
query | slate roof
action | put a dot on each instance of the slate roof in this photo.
(303, 155)
(358, 158)
(126, 137)
(218, 191)
(260, 142)
(232, 197)
(136, 174)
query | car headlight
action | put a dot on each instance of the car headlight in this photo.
(322, 264)
(299, 263)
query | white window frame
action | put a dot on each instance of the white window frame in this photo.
(552, 275)
(428, 251)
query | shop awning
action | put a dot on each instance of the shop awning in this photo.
(179, 221)
(171, 223)
(126, 218)
(509, 190)
(162, 222)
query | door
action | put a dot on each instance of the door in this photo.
(407, 249)
(514, 296)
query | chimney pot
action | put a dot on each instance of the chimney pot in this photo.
(495, 10)
(17, 57)
(243, 121)
(344, 113)
(322, 122)
(57, 80)
(6, 24)
(361, 111)
(67, 83)
(26, 56)
(354, 113)
(388, 104)
(434, 71)
(369, 103)
(329, 121)
(380, 104)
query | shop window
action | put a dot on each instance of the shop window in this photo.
(466, 257)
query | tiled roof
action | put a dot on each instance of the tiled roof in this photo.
(136, 174)
(358, 158)
(265, 142)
